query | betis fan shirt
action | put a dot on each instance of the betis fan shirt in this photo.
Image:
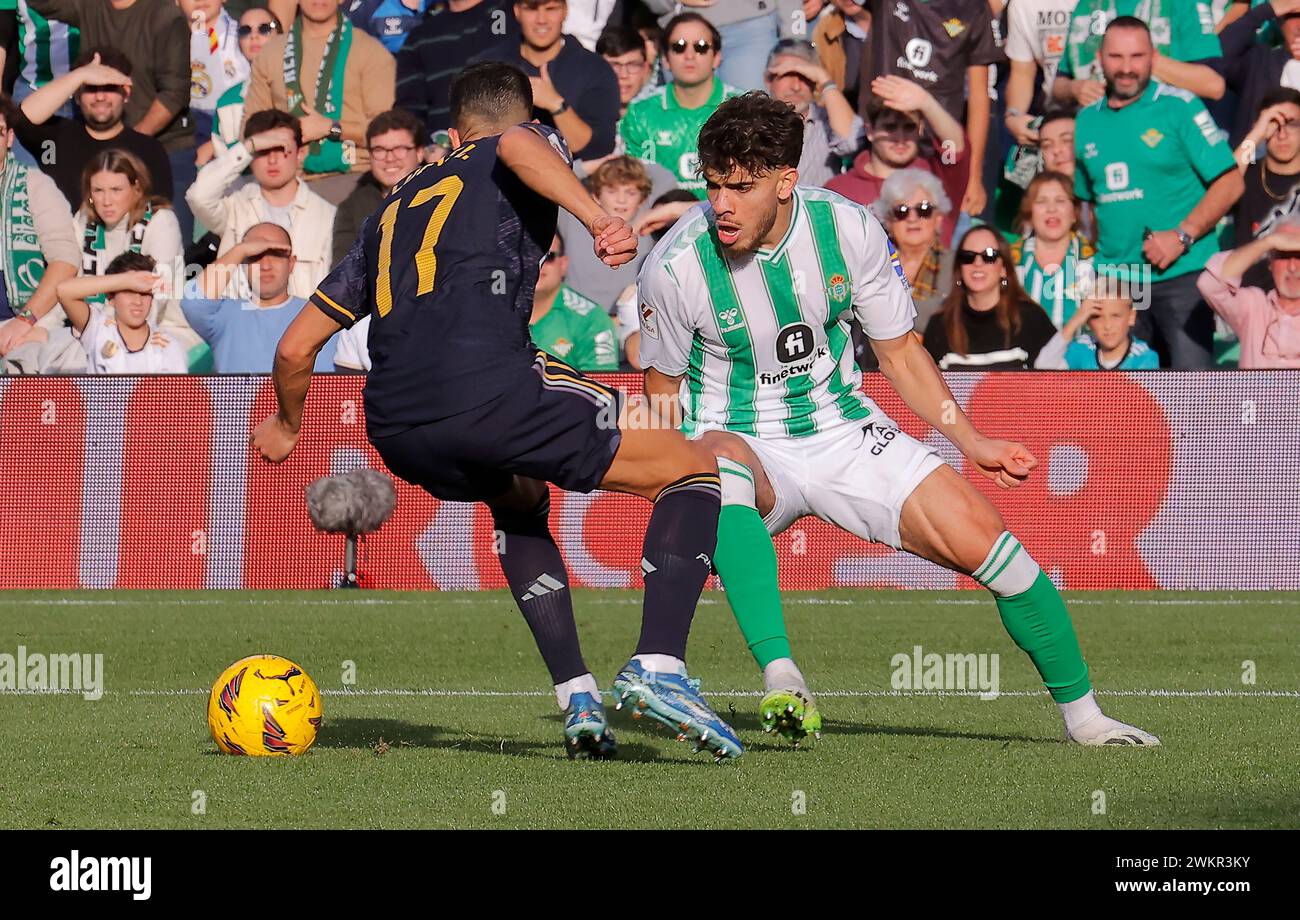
(578, 331)
(48, 46)
(762, 340)
(1147, 165)
(658, 129)
(931, 42)
(1180, 29)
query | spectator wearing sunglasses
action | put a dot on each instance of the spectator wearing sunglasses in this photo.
(987, 322)
(1052, 256)
(1267, 323)
(256, 27)
(900, 115)
(100, 87)
(273, 150)
(912, 205)
(749, 27)
(832, 130)
(665, 127)
(574, 90)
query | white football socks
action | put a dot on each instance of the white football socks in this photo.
(1079, 711)
(661, 664)
(783, 672)
(584, 683)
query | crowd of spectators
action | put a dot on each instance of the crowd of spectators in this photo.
(1069, 184)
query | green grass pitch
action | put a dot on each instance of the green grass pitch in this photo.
(486, 732)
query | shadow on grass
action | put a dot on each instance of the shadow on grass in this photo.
(365, 734)
(749, 722)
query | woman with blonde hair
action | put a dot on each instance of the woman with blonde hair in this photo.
(1052, 255)
(119, 213)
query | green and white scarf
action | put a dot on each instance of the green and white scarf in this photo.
(94, 241)
(1058, 292)
(24, 263)
(324, 156)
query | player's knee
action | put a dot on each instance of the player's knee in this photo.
(727, 447)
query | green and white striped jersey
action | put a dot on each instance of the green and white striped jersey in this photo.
(48, 46)
(763, 340)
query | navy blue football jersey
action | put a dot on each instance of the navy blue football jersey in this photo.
(446, 269)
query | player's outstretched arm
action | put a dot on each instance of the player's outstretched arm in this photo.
(295, 356)
(912, 372)
(544, 171)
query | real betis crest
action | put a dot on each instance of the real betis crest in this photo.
(837, 286)
(953, 27)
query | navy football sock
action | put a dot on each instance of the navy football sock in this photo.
(535, 570)
(677, 557)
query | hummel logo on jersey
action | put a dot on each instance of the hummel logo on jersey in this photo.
(731, 319)
(544, 584)
(646, 567)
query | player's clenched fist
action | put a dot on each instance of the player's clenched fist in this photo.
(615, 240)
(1005, 462)
(273, 440)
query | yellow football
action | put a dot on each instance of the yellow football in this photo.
(264, 705)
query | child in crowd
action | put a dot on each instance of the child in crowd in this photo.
(121, 340)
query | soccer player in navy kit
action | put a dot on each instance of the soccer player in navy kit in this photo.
(460, 403)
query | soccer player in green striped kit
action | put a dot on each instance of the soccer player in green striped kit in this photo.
(745, 304)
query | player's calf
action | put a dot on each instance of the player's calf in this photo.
(946, 521)
(535, 571)
(745, 560)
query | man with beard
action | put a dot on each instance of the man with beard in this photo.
(832, 130)
(100, 86)
(770, 387)
(1161, 175)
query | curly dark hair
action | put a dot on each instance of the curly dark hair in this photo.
(753, 132)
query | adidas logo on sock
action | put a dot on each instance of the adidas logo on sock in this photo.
(646, 567)
(544, 584)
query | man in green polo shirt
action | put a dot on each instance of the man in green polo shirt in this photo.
(567, 325)
(665, 126)
(1161, 175)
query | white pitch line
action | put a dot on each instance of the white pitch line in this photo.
(434, 598)
(842, 694)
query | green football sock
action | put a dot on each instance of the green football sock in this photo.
(746, 563)
(1035, 617)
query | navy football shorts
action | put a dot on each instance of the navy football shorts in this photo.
(554, 424)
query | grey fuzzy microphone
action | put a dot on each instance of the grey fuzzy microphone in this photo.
(354, 504)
